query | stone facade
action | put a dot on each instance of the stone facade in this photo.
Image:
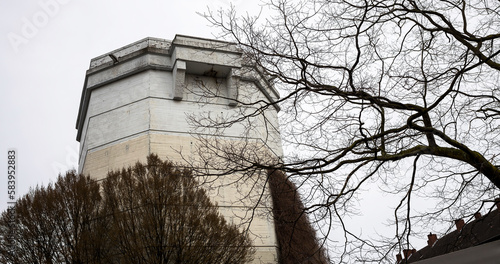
(136, 100)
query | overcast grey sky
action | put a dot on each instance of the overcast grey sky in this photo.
(45, 49)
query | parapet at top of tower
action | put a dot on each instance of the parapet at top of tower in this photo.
(162, 46)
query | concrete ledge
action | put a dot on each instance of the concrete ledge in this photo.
(161, 46)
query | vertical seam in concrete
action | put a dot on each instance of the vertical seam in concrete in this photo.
(149, 113)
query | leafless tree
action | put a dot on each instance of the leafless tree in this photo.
(161, 215)
(398, 96)
(54, 224)
(296, 238)
(149, 213)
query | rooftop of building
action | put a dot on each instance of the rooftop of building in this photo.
(479, 231)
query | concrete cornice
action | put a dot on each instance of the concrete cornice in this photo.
(206, 44)
(151, 45)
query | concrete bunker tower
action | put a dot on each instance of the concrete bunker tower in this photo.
(136, 99)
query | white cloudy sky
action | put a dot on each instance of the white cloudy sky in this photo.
(45, 49)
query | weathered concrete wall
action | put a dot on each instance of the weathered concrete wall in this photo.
(136, 101)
